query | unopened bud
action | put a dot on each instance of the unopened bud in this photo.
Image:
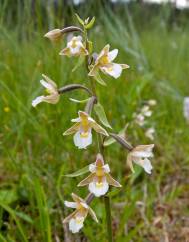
(54, 35)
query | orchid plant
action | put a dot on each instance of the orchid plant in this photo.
(99, 180)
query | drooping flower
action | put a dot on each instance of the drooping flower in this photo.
(52, 90)
(83, 130)
(150, 133)
(99, 179)
(76, 219)
(140, 117)
(74, 47)
(140, 155)
(104, 62)
(54, 35)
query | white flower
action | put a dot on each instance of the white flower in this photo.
(54, 34)
(186, 108)
(152, 102)
(76, 219)
(150, 133)
(51, 89)
(99, 179)
(83, 130)
(74, 47)
(104, 62)
(140, 155)
(145, 111)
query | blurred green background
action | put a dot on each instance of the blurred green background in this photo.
(34, 156)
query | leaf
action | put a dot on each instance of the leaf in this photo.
(90, 24)
(24, 216)
(8, 196)
(79, 172)
(79, 101)
(79, 63)
(79, 19)
(101, 115)
(112, 140)
(98, 78)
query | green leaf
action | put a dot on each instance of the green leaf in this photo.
(79, 172)
(24, 216)
(98, 78)
(102, 115)
(79, 101)
(8, 196)
(90, 24)
(79, 19)
(79, 63)
(112, 140)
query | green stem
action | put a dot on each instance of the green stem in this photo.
(108, 218)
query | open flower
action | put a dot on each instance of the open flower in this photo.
(51, 89)
(140, 155)
(76, 219)
(54, 35)
(99, 179)
(74, 47)
(104, 62)
(82, 129)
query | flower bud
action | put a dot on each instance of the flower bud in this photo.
(54, 35)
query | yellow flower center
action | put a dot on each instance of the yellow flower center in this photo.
(79, 220)
(74, 43)
(104, 60)
(99, 184)
(84, 134)
(99, 171)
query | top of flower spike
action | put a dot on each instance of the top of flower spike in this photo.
(74, 47)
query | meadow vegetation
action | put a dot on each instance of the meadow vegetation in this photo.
(35, 157)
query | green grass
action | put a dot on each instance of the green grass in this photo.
(34, 156)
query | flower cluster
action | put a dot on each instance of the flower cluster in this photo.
(99, 180)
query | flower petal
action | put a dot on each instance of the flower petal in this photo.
(112, 54)
(70, 204)
(93, 215)
(92, 168)
(87, 180)
(106, 168)
(73, 129)
(99, 189)
(75, 224)
(51, 82)
(124, 66)
(37, 100)
(112, 69)
(99, 129)
(67, 219)
(82, 142)
(146, 164)
(129, 162)
(112, 181)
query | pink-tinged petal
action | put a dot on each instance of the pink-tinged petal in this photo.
(53, 98)
(73, 129)
(76, 120)
(70, 204)
(54, 34)
(99, 160)
(112, 69)
(92, 168)
(112, 55)
(76, 198)
(93, 215)
(82, 142)
(37, 100)
(103, 52)
(87, 180)
(99, 129)
(106, 168)
(112, 181)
